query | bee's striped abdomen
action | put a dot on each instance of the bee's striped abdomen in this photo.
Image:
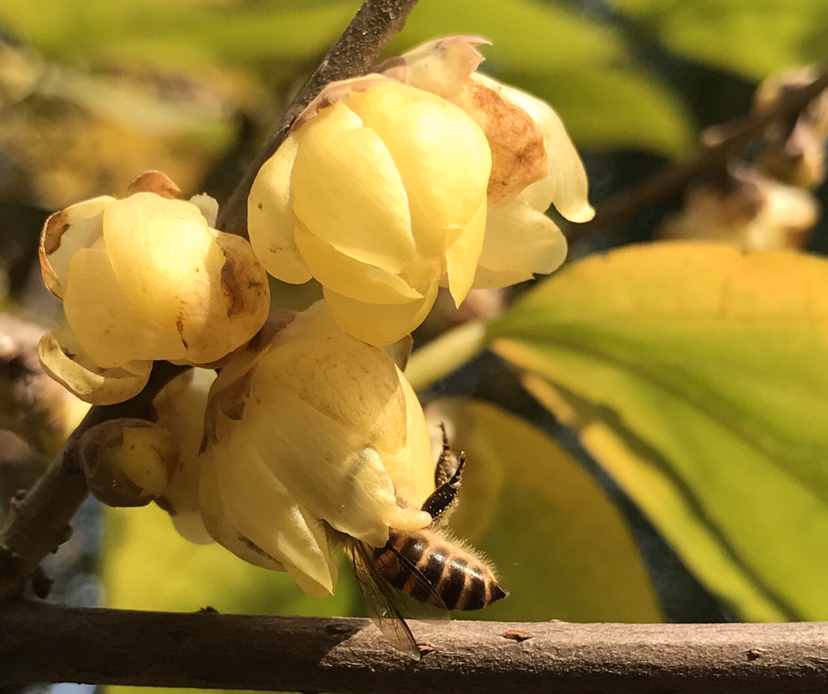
(455, 578)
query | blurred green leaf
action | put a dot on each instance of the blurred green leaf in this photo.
(147, 565)
(560, 545)
(160, 32)
(751, 37)
(696, 375)
(585, 69)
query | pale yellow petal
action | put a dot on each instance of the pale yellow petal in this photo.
(412, 467)
(103, 320)
(75, 227)
(463, 255)
(263, 511)
(379, 324)
(349, 276)
(208, 206)
(347, 190)
(180, 407)
(497, 279)
(270, 219)
(520, 238)
(158, 247)
(566, 185)
(221, 526)
(199, 291)
(442, 155)
(440, 66)
(63, 360)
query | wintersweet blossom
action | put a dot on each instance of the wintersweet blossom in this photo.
(751, 211)
(426, 174)
(310, 435)
(142, 278)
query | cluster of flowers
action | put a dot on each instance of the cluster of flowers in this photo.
(426, 174)
(767, 203)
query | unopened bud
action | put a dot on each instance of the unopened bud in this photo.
(127, 462)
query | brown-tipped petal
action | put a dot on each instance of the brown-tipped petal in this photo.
(64, 361)
(336, 91)
(65, 232)
(155, 182)
(519, 155)
(439, 66)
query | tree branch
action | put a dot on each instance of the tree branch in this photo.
(48, 643)
(352, 55)
(738, 135)
(39, 523)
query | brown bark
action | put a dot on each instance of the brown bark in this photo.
(352, 55)
(47, 643)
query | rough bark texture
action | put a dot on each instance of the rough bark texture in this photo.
(47, 643)
(38, 523)
(352, 55)
(737, 135)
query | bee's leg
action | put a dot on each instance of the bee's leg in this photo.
(444, 497)
(446, 463)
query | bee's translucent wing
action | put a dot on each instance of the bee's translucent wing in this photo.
(380, 600)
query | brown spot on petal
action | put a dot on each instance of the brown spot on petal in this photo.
(518, 150)
(231, 286)
(179, 326)
(243, 283)
(55, 227)
(155, 182)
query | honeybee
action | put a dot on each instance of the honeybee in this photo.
(428, 565)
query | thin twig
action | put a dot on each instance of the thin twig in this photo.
(48, 643)
(353, 54)
(40, 523)
(711, 158)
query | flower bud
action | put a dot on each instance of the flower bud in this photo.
(146, 278)
(311, 434)
(127, 462)
(794, 150)
(747, 210)
(427, 175)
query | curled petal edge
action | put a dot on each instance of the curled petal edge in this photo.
(69, 367)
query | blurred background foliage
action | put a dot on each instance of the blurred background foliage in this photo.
(648, 439)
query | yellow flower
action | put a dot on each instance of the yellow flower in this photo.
(145, 278)
(751, 211)
(310, 434)
(427, 175)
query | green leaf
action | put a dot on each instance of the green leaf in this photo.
(751, 37)
(147, 565)
(169, 34)
(560, 545)
(583, 68)
(696, 375)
